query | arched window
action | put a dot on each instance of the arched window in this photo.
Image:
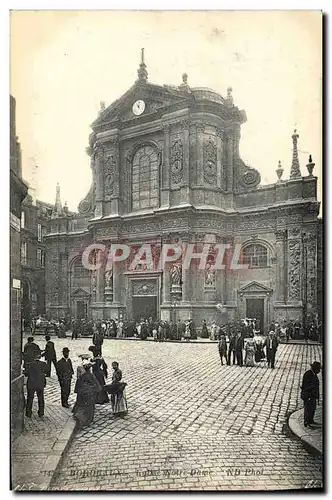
(255, 256)
(80, 275)
(145, 179)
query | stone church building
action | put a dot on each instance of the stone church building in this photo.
(166, 167)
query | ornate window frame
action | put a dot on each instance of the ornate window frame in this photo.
(135, 149)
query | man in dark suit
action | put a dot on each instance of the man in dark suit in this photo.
(49, 355)
(65, 372)
(98, 338)
(30, 353)
(310, 393)
(239, 346)
(271, 345)
(36, 383)
(231, 348)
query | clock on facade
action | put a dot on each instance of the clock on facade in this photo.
(138, 107)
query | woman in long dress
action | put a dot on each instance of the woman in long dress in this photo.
(87, 389)
(99, 369)
(250, 353)
(117, 391)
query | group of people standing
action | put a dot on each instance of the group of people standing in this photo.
(253, 349)
(91, 386)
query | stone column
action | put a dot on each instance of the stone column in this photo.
(219, 142)
(117, 282)
(111, 177)
(165, 174)
(185, 276)
(311, 272)
(280, 266)
(200, 153)
(227, 272)
(99, 180)
(100, 284)
(229, 162)
(185, 190)
(166, 285)
(193, 155)
(295, 267)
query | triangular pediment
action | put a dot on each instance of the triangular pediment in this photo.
(254, 286)
(81, 292)
(155, 98)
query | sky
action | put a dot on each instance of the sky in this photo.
(64, 63)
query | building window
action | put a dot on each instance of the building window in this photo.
(145, 179)
(255, 256)
(40, 258)
(22, 219)
(24, 253)
(39, 233)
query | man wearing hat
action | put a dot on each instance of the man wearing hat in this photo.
(310, 393)
(64, 369)
(36, 383)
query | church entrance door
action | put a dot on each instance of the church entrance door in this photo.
(81, 309)
(255, 310)
(144, 307)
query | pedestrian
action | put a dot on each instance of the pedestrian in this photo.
(117, 391)
(99, 369)
(30, 352)
(98, 339)
(310, 393)
(204, 331)
(250, 346)
(271, 345)
(239, 348)
(187, 335)
(65, 373)
(36, 383)
(231, 348)
(74, 334)
(222, 348)
(49, 355)
(87, 389)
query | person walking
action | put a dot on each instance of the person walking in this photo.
(239, 346)
(49, 355)
(36, 383)
(65, 373)
(30, 353)
(271, 345)
(310, 393)
(231, 348)
(222, 348)
(98, 339)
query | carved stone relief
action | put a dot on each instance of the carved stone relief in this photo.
(210, 162)
(177, 162)
(294, 259)
(144, 287)
(109, 175)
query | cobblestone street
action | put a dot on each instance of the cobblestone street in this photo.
(192, 423)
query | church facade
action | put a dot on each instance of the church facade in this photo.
(166, 168)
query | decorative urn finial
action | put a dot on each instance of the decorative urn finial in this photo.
(310, 166)
(279, 171)
(102, 107)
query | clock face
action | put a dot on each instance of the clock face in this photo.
(138, 107)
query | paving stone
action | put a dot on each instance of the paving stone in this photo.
(186, 412)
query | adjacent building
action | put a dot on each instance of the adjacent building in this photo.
(166, 167)
(18, 191)
(34, 215)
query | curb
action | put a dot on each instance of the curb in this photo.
(298, 430)
(59, 449)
